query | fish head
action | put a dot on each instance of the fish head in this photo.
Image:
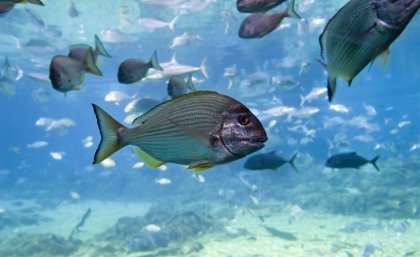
(65, 73)
(242, 133)
(396, 13)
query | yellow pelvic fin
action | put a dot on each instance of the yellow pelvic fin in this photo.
(200, 166)
(384, 57)
(76, 87)
(149, 160)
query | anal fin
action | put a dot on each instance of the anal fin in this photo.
(149, 160)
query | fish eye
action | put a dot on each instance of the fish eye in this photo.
(243, 120)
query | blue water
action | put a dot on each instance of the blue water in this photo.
(32, 175)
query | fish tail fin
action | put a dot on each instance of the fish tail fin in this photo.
(110, 130)
(203, 68)
(332, 84)
(292, 162)
(172, 23)
(100, 49)
(302, 100)
(190, 83)
(37, 2)
(291, 12)
(373, 161)
(90, 64)
(154, 61)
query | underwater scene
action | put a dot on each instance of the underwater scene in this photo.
(249, 128)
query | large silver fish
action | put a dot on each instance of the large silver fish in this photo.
(200, 129)
(361, 31)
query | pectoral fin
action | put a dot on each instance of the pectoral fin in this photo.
(384, 57)
(149, 160)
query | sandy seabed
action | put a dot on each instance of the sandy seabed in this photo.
(317, 234)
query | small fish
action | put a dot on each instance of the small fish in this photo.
(57, 155)
(133, 70)
(284, 83)
(153, 24)
(349, 160)
(200, 129)
(185, 39)
(360, 32)
(177, 86)
(250, 6)
(259, 25)
(74, 195)
(72, 11)
(38, 144)
(5, 7)
(280, 234)
(78, 52)
(87, 142)
(67, 74)
(117, 97)
(314, 94)
(163, 181)
(268, 161)
(7, 87)
(173, 68)
(37, 2)
(108, 163)
(141, 105)
(40, 95)
(339, 108)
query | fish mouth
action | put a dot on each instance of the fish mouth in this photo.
(258, 141)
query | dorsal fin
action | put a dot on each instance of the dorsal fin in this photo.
(173, 59)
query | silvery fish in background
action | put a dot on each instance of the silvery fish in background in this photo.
(360, 32)
(201, 129)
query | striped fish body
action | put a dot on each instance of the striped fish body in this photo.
(359, 32)
(201, 129)
(180, 132)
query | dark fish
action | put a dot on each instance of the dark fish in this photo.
(133, 70)
(349, 160)
(258, 25)
(35, 19)
(177, 86)
(281, 234)
(360, 32)
(68, 74)
(72, 11)
(37, 2)
(78, 51)
(200, 129)
(5, 7)
(249, 6)
(268, 161)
